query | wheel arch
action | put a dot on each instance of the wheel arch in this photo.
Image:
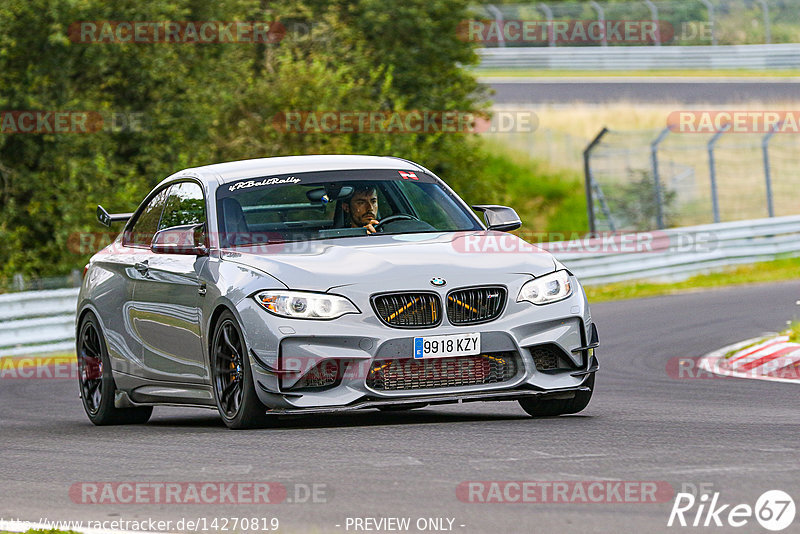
(83, 311)
(221, 308)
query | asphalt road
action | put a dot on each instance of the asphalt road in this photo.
(686, 93)
(741, 436)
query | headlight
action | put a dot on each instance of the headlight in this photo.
(546, 289)
(302, 305)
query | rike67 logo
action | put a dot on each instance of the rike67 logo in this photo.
(774, 510)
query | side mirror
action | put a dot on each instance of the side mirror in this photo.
(500, 218)
(188, 240)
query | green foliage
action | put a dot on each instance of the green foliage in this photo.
(736, 21)
(367, 56)
(633, 205)
(793, 332)
(548, 201)
(768, 271)
(52, 182)
(204, 103)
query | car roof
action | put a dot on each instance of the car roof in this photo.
(252, 168)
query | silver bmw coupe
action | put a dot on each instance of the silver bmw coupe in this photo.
(323, 284)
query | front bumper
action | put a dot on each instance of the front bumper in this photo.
(367, 403)
(282, 350)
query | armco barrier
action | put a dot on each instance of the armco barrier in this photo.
(772, 56)
(37, 322)
(690, 250)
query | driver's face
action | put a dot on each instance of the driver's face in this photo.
(363, 207)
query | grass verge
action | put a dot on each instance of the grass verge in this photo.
(547, 199)
(772, 271)
(552, 200)
(793, 332)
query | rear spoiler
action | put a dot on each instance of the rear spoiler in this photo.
(106, 218)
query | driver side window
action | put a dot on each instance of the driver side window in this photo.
(185, 205)
(146, 225)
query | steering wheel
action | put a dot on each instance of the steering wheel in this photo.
(391, 218)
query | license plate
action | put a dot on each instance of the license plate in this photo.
(447, 345)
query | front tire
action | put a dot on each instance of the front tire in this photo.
(549, 408)
(232, 377)
(96, 381)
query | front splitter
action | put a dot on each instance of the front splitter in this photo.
(566, 393)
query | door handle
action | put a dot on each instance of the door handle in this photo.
(142, 267)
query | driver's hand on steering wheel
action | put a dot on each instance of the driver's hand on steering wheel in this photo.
(370, 226)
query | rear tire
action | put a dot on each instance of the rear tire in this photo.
(549, 408)
(232, 377)
(96, 381)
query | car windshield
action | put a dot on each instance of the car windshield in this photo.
(336, 204)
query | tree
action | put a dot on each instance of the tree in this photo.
(204, 103)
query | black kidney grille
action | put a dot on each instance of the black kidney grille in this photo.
(409, 310)
(475, 305)
(409, 373)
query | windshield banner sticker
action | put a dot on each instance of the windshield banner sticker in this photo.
(329, 179)
(267, 181)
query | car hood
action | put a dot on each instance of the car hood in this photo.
(396, 262)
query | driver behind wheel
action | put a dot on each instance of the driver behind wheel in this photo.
(361, 210)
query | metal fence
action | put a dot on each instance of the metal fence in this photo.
(681, 22)
(36, 322)
(19, 282)
(652, 179)
(760, 57)
(677, 253)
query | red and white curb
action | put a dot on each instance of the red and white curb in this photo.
(770, 357)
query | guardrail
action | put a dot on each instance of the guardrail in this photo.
(760, 57)
(38, 322)
(667, 255)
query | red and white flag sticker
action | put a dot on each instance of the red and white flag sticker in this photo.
(408, 175)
